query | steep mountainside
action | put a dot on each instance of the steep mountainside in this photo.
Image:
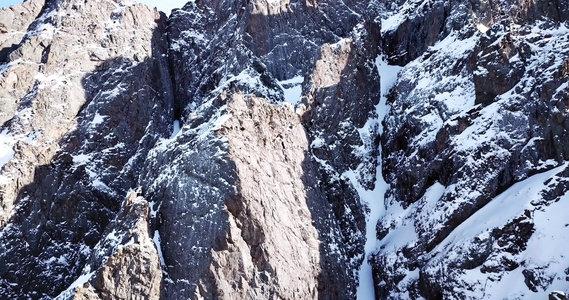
(475, 154)
(283, 149)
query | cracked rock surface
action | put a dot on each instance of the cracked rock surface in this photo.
(234, 149)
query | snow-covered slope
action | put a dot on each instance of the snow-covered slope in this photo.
(475, 141)
(284, 149)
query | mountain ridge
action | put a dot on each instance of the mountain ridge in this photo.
(230, 149)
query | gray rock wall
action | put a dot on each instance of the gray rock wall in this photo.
(235, 202)
(151, 157)
(470, 117)
(92, 95)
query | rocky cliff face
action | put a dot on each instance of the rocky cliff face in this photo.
(475, 155)
(241, 149)
(87, 95)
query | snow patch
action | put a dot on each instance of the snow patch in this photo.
(388, 74)
(176, 129)
(7, 142)
(221, 116)
(86, 275)
(482, 28)
(98, 119)
(404, 231)
(292, 89)
(7, 153)
(392, 22)
(545, 250)
(157, 240)
(317, 143)
(508, 205)
(81, 159)
(53, 81)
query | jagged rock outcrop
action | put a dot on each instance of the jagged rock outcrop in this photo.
(476, 127)
(240, 206)
(228, 73)
(125, 264)
(91, 97)
(14, 23)
(231, 151)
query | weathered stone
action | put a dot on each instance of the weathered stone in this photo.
(77, 133)
(126, 263)
(14, 23)
(443, 164)
(257, 195)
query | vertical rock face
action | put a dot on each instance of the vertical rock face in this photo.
(474, 153)
(269, 223)
(91, 94)
(275, 224)
(225, 152)
(236, 201)
(125, 264)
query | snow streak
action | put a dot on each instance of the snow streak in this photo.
(374, 199)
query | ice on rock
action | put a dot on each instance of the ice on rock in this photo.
(292, 89)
